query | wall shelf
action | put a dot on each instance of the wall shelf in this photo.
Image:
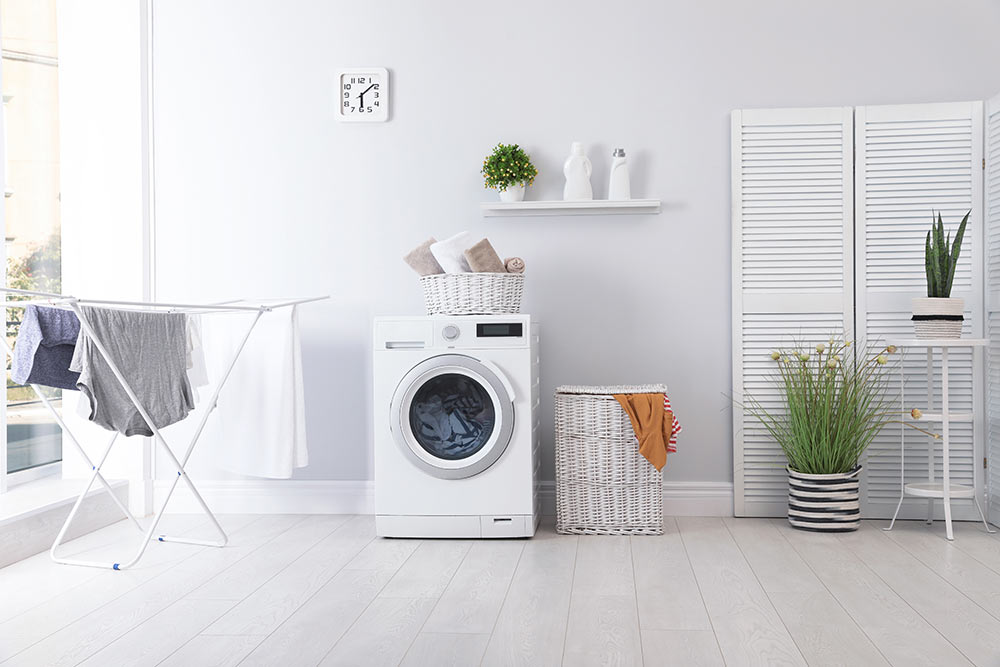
(592, 207)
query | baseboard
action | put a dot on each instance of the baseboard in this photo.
(358, 497)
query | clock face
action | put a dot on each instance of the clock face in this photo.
(364, 95)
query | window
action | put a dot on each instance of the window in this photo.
(30, 70)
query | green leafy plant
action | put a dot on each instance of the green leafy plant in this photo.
(508, 165)
(834, 401)
(939, 263)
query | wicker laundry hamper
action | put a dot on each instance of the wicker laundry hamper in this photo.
(604, 486)
(473, 293)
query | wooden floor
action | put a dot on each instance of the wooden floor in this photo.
(311, 590)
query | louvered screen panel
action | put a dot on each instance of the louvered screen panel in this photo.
(792, 253)
(910, 160)
(991, 197)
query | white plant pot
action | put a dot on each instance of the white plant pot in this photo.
(935, 317)
(513, 193)
(824, 503)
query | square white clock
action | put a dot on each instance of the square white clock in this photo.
(363, 94)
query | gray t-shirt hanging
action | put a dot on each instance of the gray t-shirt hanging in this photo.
(150, 350)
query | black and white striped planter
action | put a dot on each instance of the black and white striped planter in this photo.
(824, 503)
(938, 318)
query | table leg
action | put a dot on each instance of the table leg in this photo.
(930, 440)
(945, 464)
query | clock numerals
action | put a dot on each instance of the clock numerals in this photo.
(362, 96)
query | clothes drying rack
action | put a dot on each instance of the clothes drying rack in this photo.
(74, 303)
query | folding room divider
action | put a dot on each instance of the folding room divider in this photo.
(830, 209)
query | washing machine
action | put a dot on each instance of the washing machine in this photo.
(456, 426)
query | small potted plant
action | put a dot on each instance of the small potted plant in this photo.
(938, 315)
(834, 400)
(508, 170)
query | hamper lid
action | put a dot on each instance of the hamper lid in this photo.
(609, 389)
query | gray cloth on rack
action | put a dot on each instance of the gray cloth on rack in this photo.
(44, 348)
(150, 350)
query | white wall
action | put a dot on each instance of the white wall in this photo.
(259, 191)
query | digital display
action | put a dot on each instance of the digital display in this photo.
(499, 330)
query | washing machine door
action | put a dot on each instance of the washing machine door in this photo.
(453, 415)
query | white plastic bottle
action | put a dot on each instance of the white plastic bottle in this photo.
(619, 188)
(577, 171)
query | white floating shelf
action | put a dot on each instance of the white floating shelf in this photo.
(592, 207)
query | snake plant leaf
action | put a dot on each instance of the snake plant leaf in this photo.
(956, 250)
(928, 261)
(934, 259)
(941, 252)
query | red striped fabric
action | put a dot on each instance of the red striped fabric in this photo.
(677, 428)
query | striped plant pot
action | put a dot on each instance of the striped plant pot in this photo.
(938, 318)
(824, 503)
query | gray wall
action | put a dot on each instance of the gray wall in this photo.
(260, 191)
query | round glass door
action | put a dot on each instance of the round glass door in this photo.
(452, 416)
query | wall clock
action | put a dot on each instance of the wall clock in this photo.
(363, 94)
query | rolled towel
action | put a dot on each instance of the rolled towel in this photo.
(422, 261)
(450, 253)
(514, 265)
(483, 258)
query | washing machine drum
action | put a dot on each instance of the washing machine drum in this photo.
(453, 415)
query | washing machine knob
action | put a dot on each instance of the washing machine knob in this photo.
(450, 332)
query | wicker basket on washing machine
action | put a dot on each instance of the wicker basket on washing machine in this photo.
(604, 486)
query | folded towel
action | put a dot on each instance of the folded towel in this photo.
(450, 253)
(652, 424)
(483, 258)
(514, 265)
(422, 261)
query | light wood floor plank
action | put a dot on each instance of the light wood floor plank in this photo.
(46, 619)
(445, 650)
(383, 553)
(978, 582)
(309, 633)
(248, 574)
(680, 648)
(900, 634)
(749, 630)
(383, 633)
(267, 607)
(472, 601)
(604, 566)
(531, 628)
(778, 568)
(158, 637)
(426, 573)
(212, 651)
(78, 640)
(964, 623)
(975, 541)
(602, 629)
(665, 586)
(823, 631)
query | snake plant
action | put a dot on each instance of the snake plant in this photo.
(939, 262)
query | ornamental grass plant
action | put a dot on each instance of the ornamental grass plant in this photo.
(835, 399)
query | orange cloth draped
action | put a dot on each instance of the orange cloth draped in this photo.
(651, 423)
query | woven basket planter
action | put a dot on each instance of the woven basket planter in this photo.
(473, 293)
(824, 503)
(604, 486)
(938, 318)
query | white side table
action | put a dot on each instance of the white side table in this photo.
(932, 489)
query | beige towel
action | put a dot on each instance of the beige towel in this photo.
(483, 258)
(422, 261)
(514, 265)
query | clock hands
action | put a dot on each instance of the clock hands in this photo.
(362, 95)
